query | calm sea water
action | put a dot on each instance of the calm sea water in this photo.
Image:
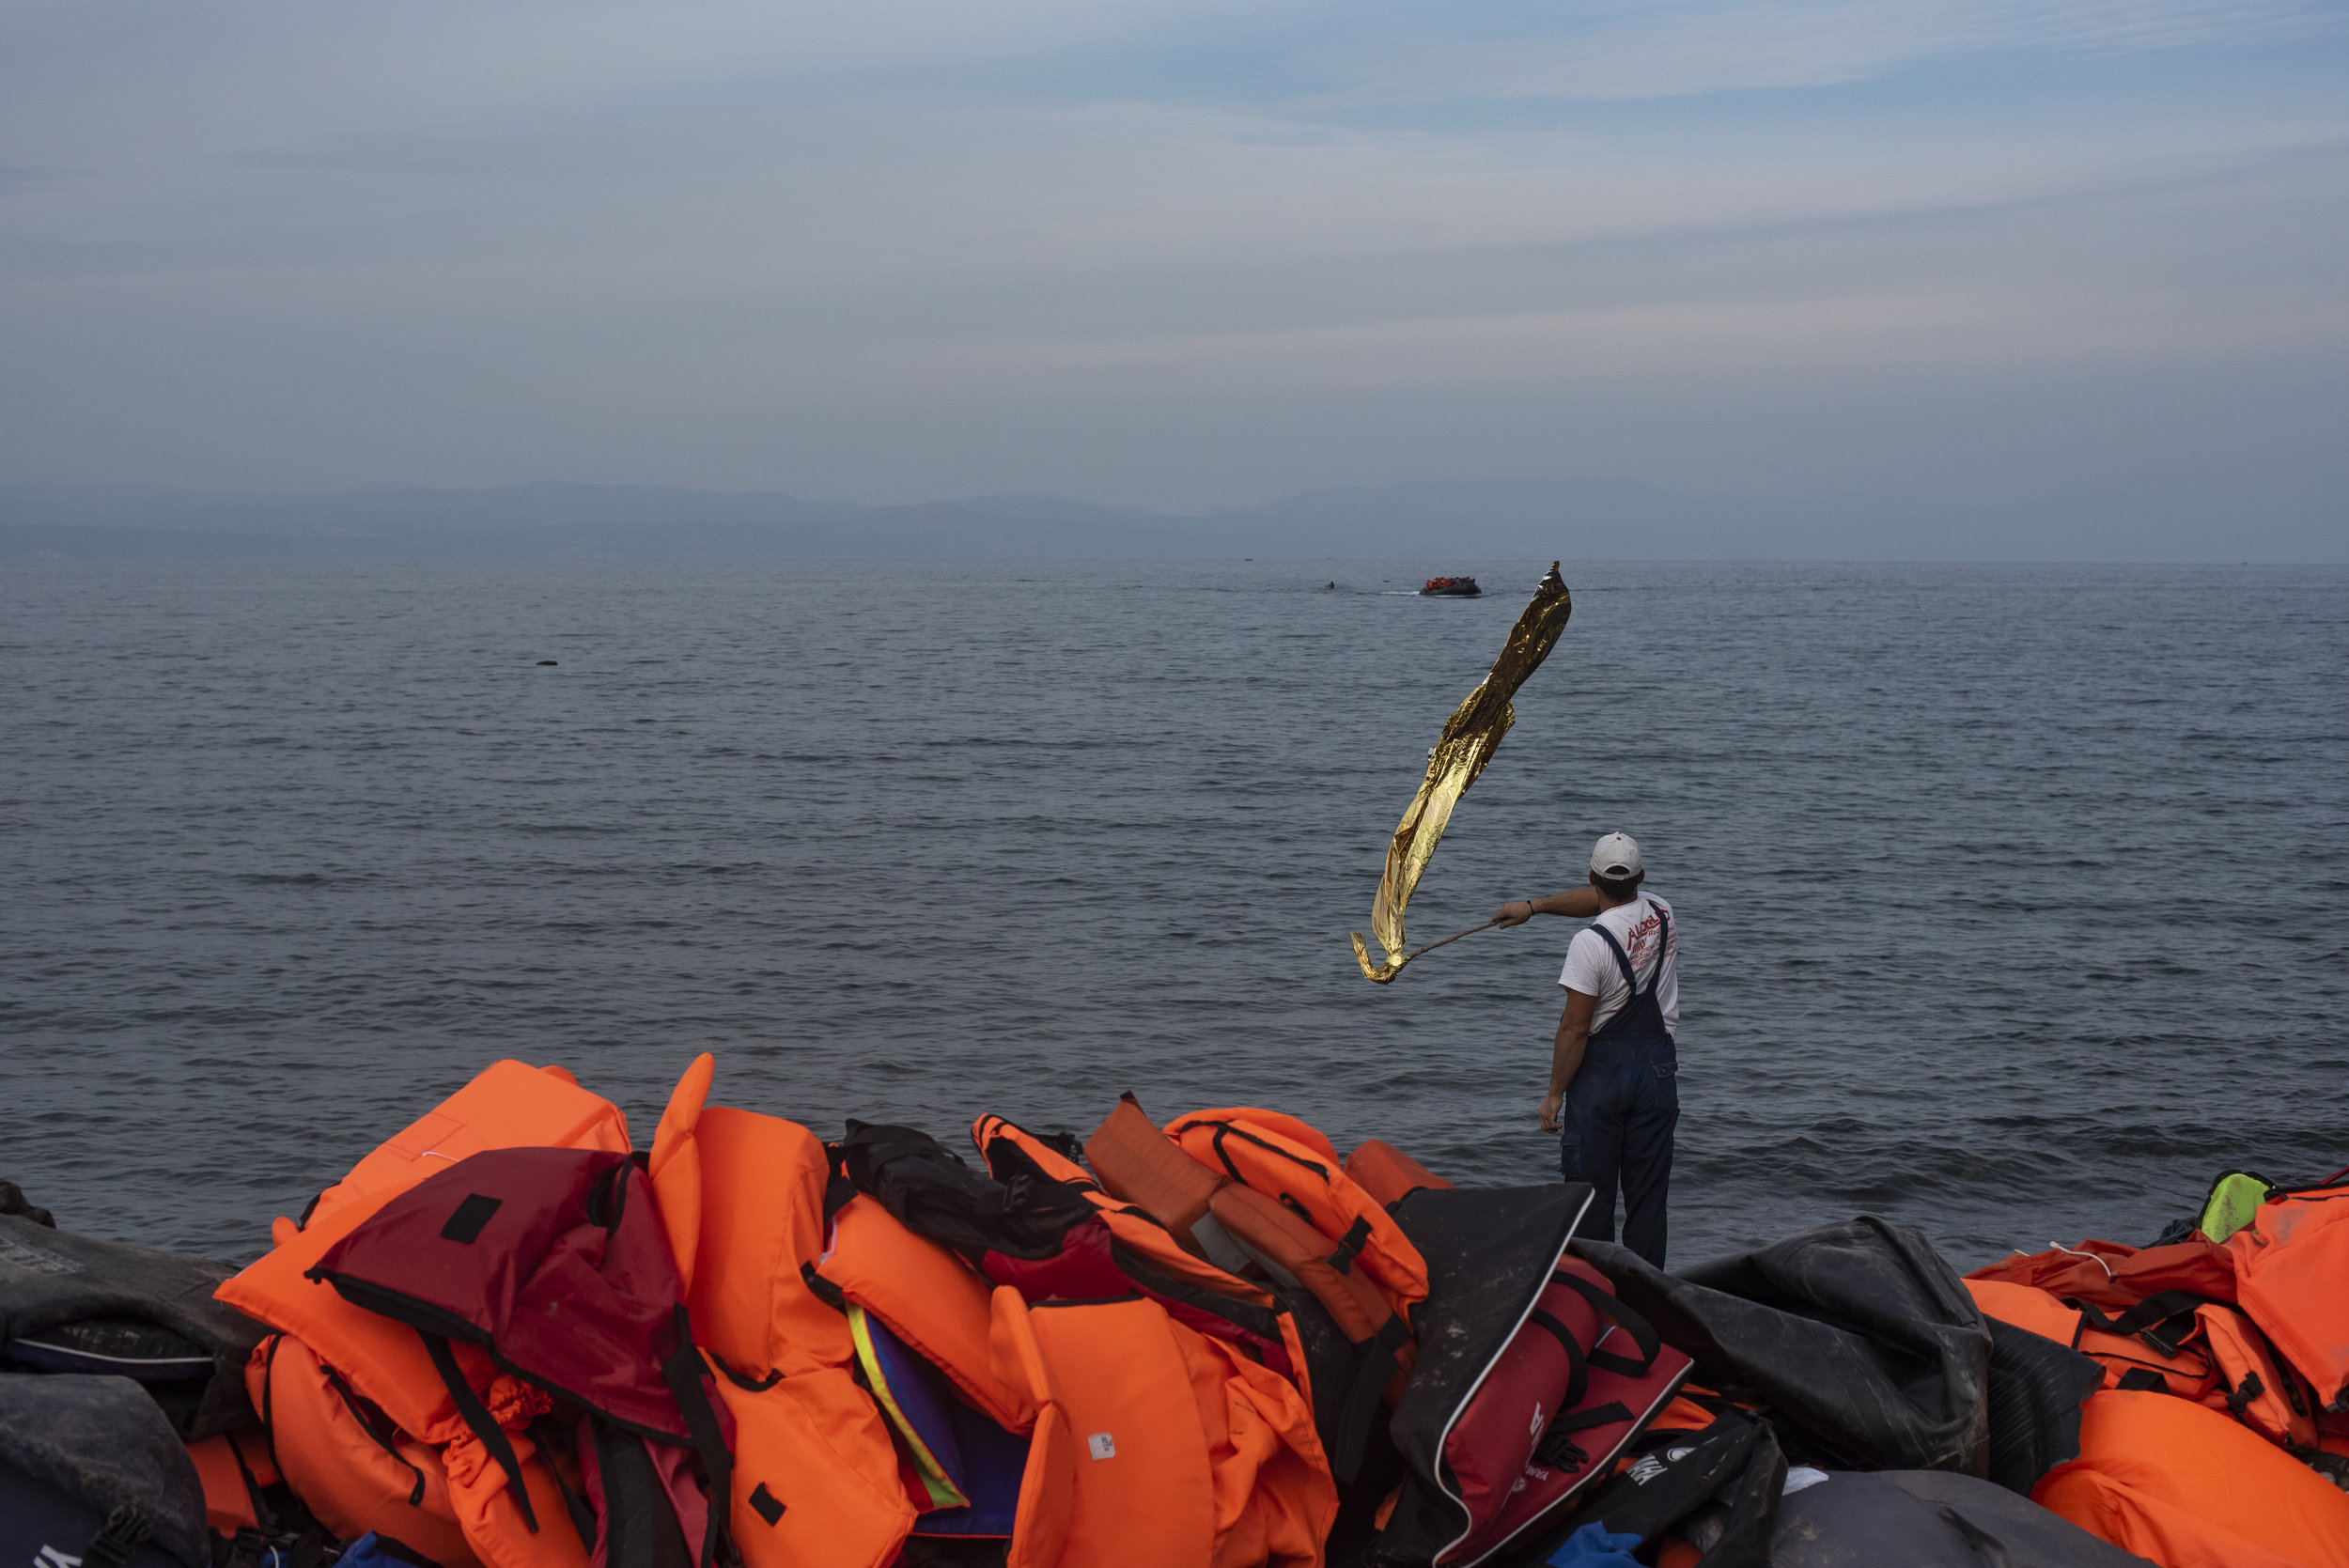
(2014, 900)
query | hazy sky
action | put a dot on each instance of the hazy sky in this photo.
(1180, 255)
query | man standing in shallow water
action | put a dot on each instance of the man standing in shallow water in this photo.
(1613, 1069)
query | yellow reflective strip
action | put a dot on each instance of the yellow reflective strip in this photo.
(943, 1491)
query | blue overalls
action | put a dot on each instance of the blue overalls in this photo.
(1621, 1110)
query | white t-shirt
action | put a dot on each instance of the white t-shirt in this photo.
(1590, 966)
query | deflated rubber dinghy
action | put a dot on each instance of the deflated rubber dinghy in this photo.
(76, 1304)
(93, 1476)
(1925, 1519)
(1858, 1335)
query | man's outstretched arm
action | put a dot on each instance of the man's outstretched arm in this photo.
(1566, 1053)
(1575, 904)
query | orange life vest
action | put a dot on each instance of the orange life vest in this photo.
(508, 1106)
(929, 1298)
(673, 1169)
(1303, 1134)
(1244, 1228)
(2134, 1356)
(1150, 1252)
(346, 1461)
(1387, 1173)
(232, 1466)
(2182, 1485)
(2217, 1358)
(1263, 1451)
(1184, 1452)
(1259, 1150)
(815, 1467)
(2026, 1306)
(1018, 1146)
(1047, 1485)
(384, 1363)
(2107, 1274)
(2292, 1266)
(2254, 1385)
(1010, 1151)
(1136, 1163)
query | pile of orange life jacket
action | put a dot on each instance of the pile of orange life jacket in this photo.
(2226, 1386)
(1181, 1378)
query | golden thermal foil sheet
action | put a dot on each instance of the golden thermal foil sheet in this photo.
(1468, 739)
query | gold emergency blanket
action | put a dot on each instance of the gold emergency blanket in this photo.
(1470, 738)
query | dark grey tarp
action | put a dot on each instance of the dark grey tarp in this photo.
(1858, 1337)
(98, 1444)
(52, 1281)
(1928, 1519)
(2037, 1388)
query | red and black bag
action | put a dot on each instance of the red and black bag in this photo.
(1532, 1376)
(1581, 1378)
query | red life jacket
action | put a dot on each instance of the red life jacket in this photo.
(553, 1263)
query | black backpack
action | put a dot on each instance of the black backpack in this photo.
(934, 1194)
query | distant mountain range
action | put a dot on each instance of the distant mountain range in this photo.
(1568, 519)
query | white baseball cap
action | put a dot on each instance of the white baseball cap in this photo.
(1616, 857)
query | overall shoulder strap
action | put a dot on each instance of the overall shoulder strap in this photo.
(1623, 959)
(1663, 945)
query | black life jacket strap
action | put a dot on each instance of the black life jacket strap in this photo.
(125, 1530)
(269, 1400)
(1380, 1355)
(1226, 1129)
(838, 1189)
(2146, 1320)
(822, 1289)
(479, 1421)
(380, 1429)
(741, 1379)
(1597, 1415)
(1608, 1305)
(1558, 1448)
(682, 1372)
(264, 1516)
(1578, 1381)
(544, 1432)
(1350, 1248)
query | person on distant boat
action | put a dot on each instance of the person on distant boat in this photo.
(1612, 1070)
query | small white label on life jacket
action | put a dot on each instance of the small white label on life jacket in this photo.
(1536, 1427)
(51, 1558)
(1102, 1444)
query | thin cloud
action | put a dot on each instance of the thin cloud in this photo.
(1687, 51)
(873, 248)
